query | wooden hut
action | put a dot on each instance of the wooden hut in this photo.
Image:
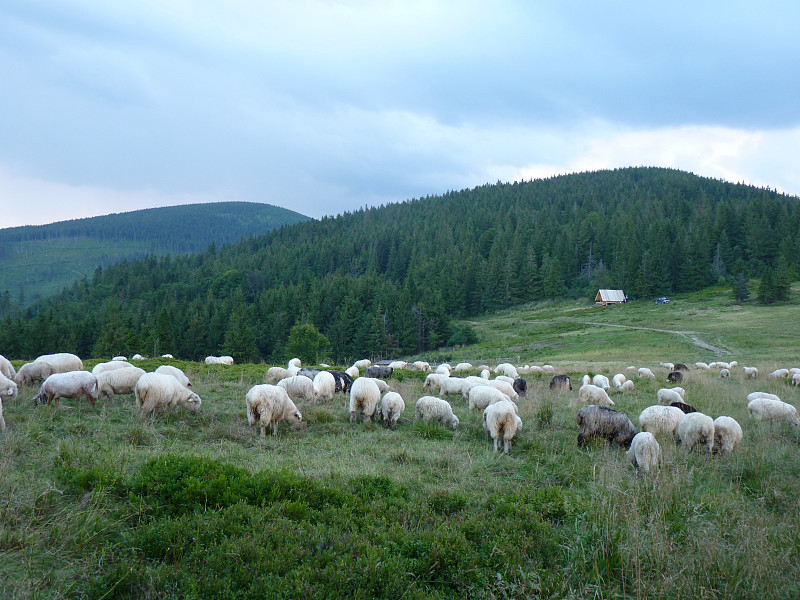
(606, 297)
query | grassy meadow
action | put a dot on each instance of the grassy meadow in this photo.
(103, 503)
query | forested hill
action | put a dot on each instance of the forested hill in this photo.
(388, 280)
(40, 260)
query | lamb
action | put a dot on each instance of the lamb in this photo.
(68, 385)
(766, 409)
(601, 381)
(727, 435)
(660, 420)
(674, 377)
(175, 372)
(750, 372)
(500, 420)
(8, 388)
(392, 406)
(352, 372)
(599, 421)
(645, 452)
(455, 385)
(33, 372)
(434, 382)
(684, 407)
(363, 363)
(155, 391)
(268, 405)
(778, 373)
(591, 394)
(618, 380)
(482, 396)
(275, 374)
(110, 366)
(364, 398)
(521, 387)
(463, 366)
(62, 362)
(560, 382)
(646, 373)
(298, 386)
(378, 372)
(667, 396)
(724, 373)
(430, 408)
(696, 429)
(6, 368)
(627, 386)
(324, 387)
(118, 381)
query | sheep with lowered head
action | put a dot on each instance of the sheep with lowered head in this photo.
(275, 374)
(6, 368)
(391, 407)
(591, 394)
(324, 387)
(72, 384)
(175, 372)
(724, 373)
(560, 382)
(8, 388)
(645, 373)
(627, 386)
(268, 405)
(482, 396)
(364, 397)
(118, 381)
(452, 386)
(767, 409)
(660, 420)
(750, 372)
(110, 366)
(599, 421)
(435, 382)
(778, 374)
(696, 429)
(155, 391)
(62, 362)
(33, 372)
(727, 435)
(601, 381)
(430, 408)
(298, 386)
(645, 452)
(500, 421)
(618, 380)
(666, 396)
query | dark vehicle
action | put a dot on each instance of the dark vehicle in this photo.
(662, 300)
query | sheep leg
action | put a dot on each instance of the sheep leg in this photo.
(495, 444)
(506, 446)
(89, 399)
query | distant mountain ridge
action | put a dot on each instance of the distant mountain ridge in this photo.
(39, 260)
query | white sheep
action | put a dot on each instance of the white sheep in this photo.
(268, 405)
(702, 366)
(727, 435)
(420, 365)
(391, 407)
(767, 409)
(506, 388)
(294, 363)
(667, 396)
(435, 382)
(382, 385)
(507, 369)
(586, 380)
(68, 385)
(535, 369)
(660, 420)
(298, 386)
(213, 360)
(724, 373)
(500, 421)
(398, 364)
(794, 371)
(2, 420)
(353, 372)
(62, 362)
(155, 391)
(137, 357)
(482, 396)
(110, 366)
(680, 391)
(463, 366)
(548, 369)
(627, 386)
(6, 368)
(175, 372)
(485, 374)
(667, 365)
(696, 429)
(363, 363)
(455, 385)
(750, 372)
(719, 365)
(591, 394)
(364, 397)
(645, 373)
(732, 364)
(118, 381)
(430, 408)
(443, 370)
(601, 381)
(778, 374)
(8, 388)
(796, 379)
(120, 357)
(167, 356)
(630, 368)
(33, 372)
(753, 395)
(618, 380)
(324, 387)
(275, 374)
(504, 378)
(645, 452)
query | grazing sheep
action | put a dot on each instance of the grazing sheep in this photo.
(702, 366)
(684, 407)
(398, 364)
(599, 421)
(766, 409)
(463, 366)
(275, 374)
(618, 380)
(430, 408)
(268, 405)
(680, 391)
(485, 374)
(660, 419)
(364, 397)
(68, 385)
(382, 385)
(667, 365)
(504, 387)
(118, 381)
(727, 435)
(324, 387)
(443, 370)
(601, 381)
(778, 373)
(549, 369)
(504, 378)
(455, 385)
(482, 396)
(155, 391)
(352, 372)
(719, 365)
(110, 366)
(420, 365)
(732, 364)
(137, 357)
(121, 358)
(535, 369)
(435, 382)
(586, 380)
(391, 407)
(521, 387)
(33, 372)
(724, 373)
(219, 360)
(591, 394)
(6, 368)
(753, 395)
(646, 373)
(62, 362)
(298, 386)
(627, 386)
(560, 382)
(378, 372)
(796, 379)
(645, 452)
(667, 396)
(175, 372)
(507, 369)
(363, 363)
(343, 381)
(2, 420)
(674, 377)
(631, 368)
(680, 367)
(696, 429)
(167, 356)
(750, 372)
(8, 388)
(500, 420)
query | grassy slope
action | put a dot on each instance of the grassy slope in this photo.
(587, 525)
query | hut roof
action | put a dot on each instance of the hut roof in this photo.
(610, 296)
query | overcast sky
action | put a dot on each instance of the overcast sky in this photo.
(324, 107)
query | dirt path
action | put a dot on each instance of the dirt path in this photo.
(690, 335)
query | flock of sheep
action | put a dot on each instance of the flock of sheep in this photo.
(62, 376)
